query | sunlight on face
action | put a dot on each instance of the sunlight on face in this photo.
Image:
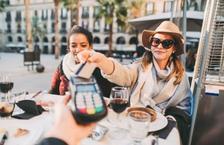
(78, 42)
(159, 53)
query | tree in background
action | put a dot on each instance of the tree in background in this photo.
(136, 9)
(111, 9)
(28, 25)
(3, 4)
(37, 29)
(56, 29)
(73, 7)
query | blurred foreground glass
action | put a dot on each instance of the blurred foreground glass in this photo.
(139, 123)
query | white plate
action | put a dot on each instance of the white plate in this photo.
(160, 122)
(35, 132)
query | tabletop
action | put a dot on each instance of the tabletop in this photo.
(40, 124)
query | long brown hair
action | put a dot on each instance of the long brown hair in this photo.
(178, 70)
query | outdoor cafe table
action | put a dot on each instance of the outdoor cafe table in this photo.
(39, 125)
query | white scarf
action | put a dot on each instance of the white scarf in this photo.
(168, 88)
(147, 96)
(164, 73)
(69, 66)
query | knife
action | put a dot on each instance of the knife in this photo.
(36, 94)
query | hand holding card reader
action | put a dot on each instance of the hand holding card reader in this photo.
(88, 103)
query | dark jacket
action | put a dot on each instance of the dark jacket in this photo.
(60, 84)
(183, 122)
(52, 141)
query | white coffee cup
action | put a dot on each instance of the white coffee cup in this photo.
(139, 122)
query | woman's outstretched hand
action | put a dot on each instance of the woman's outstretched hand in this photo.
(105, 64)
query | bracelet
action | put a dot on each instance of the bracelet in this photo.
(171, 117)
(113, 67)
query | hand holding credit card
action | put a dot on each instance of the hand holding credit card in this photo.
(86, 69)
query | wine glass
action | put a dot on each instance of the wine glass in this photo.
(119, 100)
(118, 103)
(6, 86)
(6, 104)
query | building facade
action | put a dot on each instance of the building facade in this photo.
(12, 23)
(160, 10)
(192, 12)
(12, 27)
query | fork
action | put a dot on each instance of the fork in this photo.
(4, 138)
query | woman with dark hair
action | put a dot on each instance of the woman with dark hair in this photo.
(79, 39)
(158, 79)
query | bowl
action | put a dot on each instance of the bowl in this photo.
(6, 109)
(138, 111)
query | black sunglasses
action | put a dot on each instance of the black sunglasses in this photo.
(167, 43)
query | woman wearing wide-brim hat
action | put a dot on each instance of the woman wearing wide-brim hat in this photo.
(158, 79)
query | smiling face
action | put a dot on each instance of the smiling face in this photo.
(161, 54)
(78, 42)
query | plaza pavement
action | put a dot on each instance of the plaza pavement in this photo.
(24, 80)
(31, 81)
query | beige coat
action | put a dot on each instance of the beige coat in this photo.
(135, 75)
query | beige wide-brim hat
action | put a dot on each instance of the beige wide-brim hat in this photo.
(169, 28)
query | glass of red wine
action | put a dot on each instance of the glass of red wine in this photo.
(6, 103)
(118, 103)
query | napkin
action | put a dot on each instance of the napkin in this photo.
(30, 109)
(163, 133)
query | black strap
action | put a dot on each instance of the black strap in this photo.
(60, 67)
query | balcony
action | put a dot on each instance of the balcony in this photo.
(8, 19)
(194, 20)
(63, 31)
(8, 31)
(44, 18)
(96, 30)
(85, 15)
(64, 17)
(18, 19)
(19, 31)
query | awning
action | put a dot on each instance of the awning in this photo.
(194, 20)
(18, 45)
(193, 35)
